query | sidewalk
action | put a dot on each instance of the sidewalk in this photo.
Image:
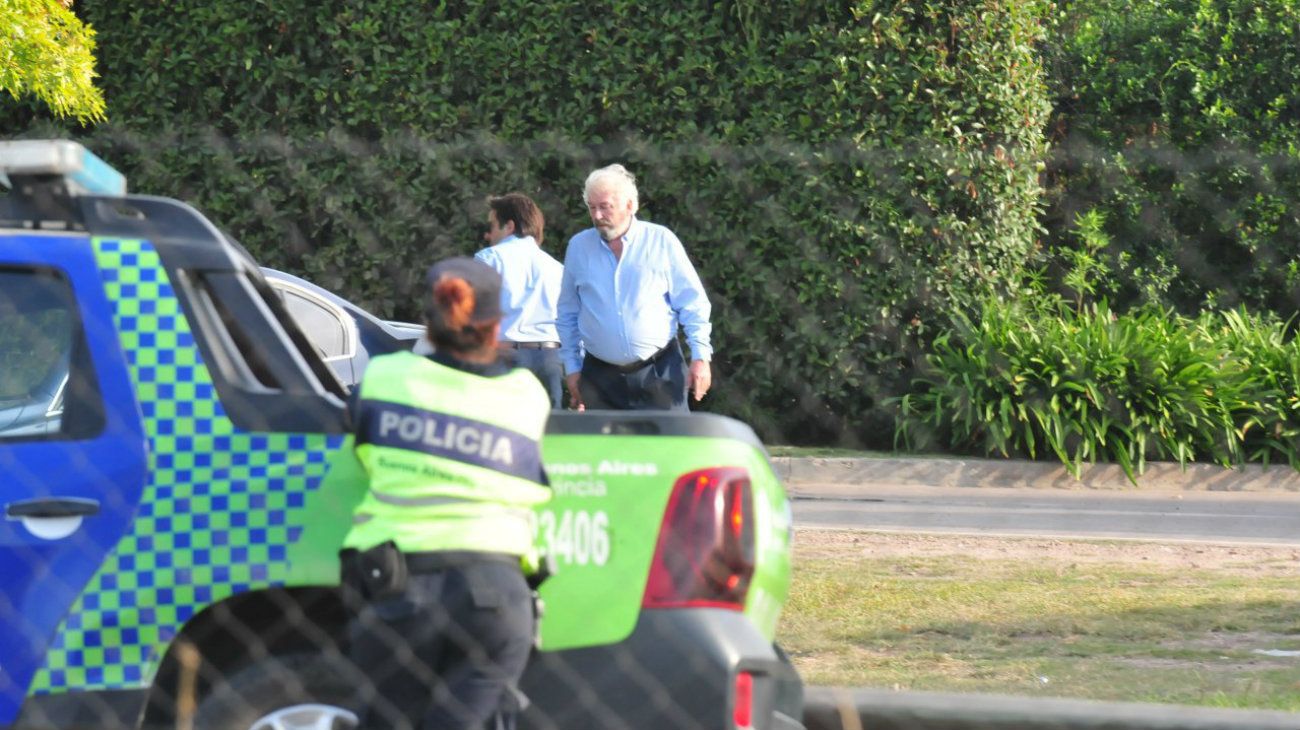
(799, 472)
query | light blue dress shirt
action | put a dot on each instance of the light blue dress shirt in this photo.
(530, 288)
(625, 310)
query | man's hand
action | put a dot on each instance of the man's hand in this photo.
(575, 396)
(701, 378)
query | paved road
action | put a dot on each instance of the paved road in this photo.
(1242, 517)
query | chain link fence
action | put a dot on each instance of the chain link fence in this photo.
(166, 565)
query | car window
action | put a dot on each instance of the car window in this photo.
(267, 373)
(39, 335)
(321, 325)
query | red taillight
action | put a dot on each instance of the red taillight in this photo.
(743, 714)
(705, 553)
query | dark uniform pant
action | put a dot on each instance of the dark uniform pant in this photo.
(447, 653)
(656, 383)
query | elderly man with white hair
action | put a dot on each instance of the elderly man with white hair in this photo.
(627, 287)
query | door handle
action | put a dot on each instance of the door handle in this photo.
(51, 507)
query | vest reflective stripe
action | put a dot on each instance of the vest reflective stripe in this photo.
(419, 501)
(453, 458)
(524, 516)
(400, 426)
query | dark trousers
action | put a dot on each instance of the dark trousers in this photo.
(545, 364)
(656, 385)
(447, 653)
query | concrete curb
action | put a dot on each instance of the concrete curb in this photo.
(796, 471)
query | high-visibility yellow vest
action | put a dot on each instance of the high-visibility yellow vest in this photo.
(454, 458)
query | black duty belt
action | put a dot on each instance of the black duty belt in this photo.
(632, 367)
(432, 562)
(530, 345)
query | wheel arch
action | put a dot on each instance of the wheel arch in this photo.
(237, 632)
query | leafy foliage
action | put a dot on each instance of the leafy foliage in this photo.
(1081, 387)
(1268, 350)
(49, 54)
(1039, 376)
(844, 174)
(1179, 120)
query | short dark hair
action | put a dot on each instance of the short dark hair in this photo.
(520, 210)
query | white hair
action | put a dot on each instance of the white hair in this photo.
(613, 176)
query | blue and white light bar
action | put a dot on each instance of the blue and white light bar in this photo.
(84, 173)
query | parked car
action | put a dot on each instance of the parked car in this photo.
(169, 547)
(344, 335)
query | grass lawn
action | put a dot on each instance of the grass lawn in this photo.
(1111, 621)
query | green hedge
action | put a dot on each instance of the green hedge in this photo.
(1179, 119)
(844, 174)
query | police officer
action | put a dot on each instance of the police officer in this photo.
(451, 446)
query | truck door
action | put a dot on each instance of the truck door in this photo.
(72, 449)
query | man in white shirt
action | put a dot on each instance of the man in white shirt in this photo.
(530, 288)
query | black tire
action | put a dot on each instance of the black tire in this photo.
(283, 693)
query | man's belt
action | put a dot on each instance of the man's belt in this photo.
(432, 562)
(530, 345)
(632, 367)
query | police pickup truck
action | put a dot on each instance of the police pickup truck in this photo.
(168, 553)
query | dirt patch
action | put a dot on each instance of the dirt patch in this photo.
(1234, 559)
(1223, 668)
(1238, 641)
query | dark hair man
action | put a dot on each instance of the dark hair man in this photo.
(530, 289)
